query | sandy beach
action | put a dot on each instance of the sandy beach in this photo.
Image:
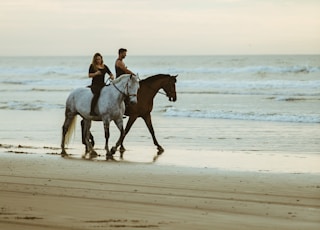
(192, 185)
(46, 191)
(241, 149)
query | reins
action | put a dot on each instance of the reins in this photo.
(162, 93)
(126, 87)
(157, 91)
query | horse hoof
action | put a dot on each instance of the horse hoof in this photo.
(93, 154)
(109, 157)
(122, 149)
(64, 154)
(160, 150)
(113, 150)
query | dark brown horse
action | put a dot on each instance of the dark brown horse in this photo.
(148, 89)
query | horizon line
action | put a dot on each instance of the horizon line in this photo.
(160, 55)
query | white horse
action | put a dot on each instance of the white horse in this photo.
(110, 107)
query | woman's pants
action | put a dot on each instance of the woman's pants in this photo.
(96, 93)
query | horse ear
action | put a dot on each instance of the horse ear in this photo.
(176, 76)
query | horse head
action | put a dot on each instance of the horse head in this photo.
(170, 88)
(132, 89)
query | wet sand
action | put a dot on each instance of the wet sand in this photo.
(45, 191)
(214, 174)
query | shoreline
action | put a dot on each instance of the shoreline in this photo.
(239, 176)
(47, 191)
(231, 161)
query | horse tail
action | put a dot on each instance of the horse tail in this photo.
(71, 130)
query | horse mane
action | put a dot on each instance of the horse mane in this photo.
(154, 77)
(118, 79)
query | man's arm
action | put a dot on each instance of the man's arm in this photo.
(121, 65)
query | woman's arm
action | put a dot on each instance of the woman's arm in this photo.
(92, 73)
(109, 72)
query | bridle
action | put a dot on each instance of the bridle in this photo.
(126, 88)
(159, 92)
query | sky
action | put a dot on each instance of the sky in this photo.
(159, 27)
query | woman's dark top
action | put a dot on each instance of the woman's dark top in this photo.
(99, 79)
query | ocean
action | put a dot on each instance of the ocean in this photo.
(263, 103)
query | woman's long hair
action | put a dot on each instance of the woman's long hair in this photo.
(94, 62)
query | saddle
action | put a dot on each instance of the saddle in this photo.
(106, 84)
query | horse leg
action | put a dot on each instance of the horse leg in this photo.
(132, 119)
(68, 122)
(65, 127)
(91, 139)
(119, 124)
(147, 120)
(83, 135)
(86, 125)
(107, 135)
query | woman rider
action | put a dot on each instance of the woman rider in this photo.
(97, 72)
